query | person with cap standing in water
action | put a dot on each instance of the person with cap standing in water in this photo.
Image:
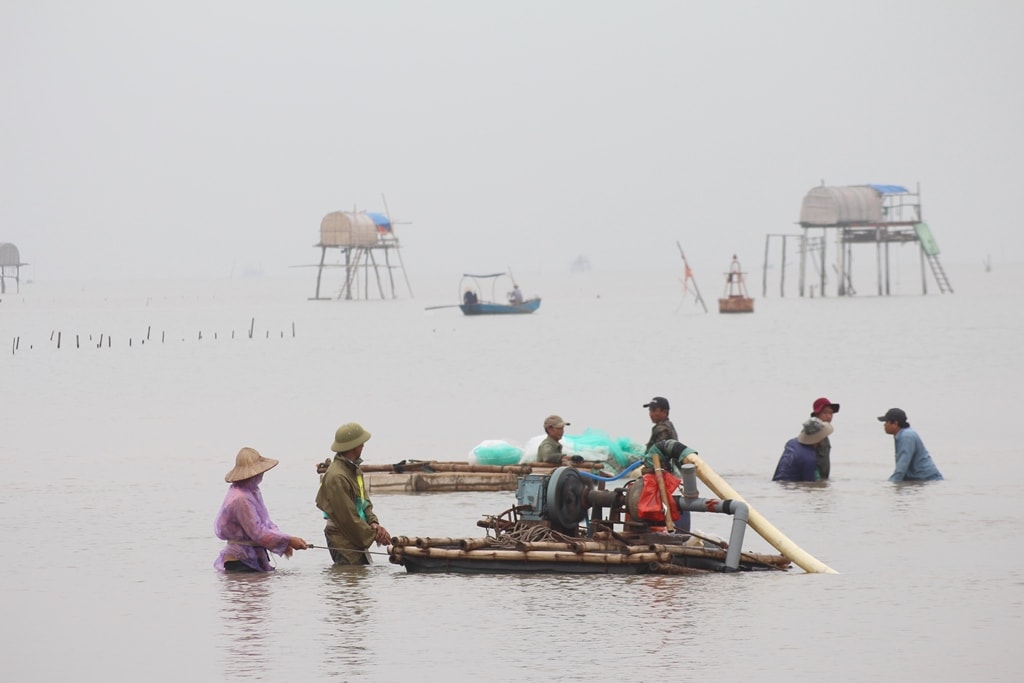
(351, 525)
(799, 459)
(824, 409)
(550, 449)
(244, 522)
(663, 429)
(913, 462)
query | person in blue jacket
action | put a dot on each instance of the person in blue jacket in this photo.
(913, 462)
(799, 459)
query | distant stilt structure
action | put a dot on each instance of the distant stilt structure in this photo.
(581, 264)
(810, 250)
(362, 237)
(10, 266)
(864, 214)
(735, 299)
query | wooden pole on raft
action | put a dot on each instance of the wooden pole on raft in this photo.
(659, 474)
(758, 523)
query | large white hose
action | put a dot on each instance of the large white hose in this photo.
(762, 526)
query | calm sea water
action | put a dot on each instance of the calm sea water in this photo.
(113, 461)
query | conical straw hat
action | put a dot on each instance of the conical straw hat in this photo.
(249, 463)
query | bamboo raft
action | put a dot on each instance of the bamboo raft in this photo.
(529, 548)
(564, 523)
(437, 476)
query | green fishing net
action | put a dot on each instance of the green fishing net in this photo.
(495, 452)
(593, 444)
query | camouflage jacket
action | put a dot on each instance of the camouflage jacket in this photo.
(661, 431)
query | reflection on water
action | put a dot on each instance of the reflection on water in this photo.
(245, 611)
(349, 614)
(910, 494)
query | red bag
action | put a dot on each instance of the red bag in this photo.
(650, 506)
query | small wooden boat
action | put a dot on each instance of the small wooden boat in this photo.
(735, 299)
(473, 304)
(488, 308)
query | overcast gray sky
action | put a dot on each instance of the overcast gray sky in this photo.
(194, 138)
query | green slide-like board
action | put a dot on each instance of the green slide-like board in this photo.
(928, 243)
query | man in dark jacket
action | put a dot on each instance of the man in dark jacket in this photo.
(663, 429)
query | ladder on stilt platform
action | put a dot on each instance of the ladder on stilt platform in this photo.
(940, 274)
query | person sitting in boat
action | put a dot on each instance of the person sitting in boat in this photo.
(469, 297)
(550, 449)
(352, 527)
(243, 520)
(799, 459)
(515, 297)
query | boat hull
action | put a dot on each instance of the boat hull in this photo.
(736, 304)
(487, 308)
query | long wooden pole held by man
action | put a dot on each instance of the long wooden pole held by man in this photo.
(659, 475)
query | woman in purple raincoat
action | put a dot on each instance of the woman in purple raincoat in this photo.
(244, 521)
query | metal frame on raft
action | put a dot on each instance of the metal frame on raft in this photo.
(544, 533)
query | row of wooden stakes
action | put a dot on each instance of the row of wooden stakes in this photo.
(56, 337)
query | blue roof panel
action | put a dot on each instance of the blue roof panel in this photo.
(890, 189)
(381, 221)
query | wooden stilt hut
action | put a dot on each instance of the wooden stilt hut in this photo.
(368, 244)
(858, 214)
(10, 266)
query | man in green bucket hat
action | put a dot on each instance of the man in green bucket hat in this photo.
(352, 526)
